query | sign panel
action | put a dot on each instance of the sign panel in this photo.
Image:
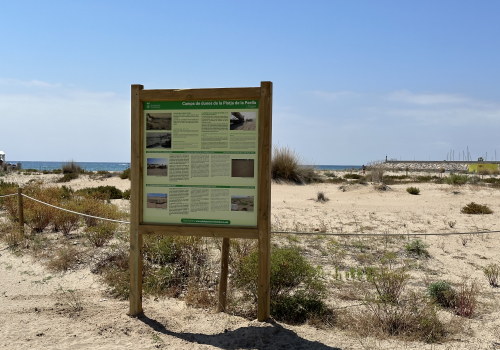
(200, 162)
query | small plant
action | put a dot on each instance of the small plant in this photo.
(456, 179)
(413, 190)
(102, 192)
(466, 299)
(101, 233)
(442, 293)
(113, 269)
(70, 298)
(464, 239)
(492, 272)
(389, 284)
(452, 224)
(474, 208)
(336, 253)
(418, 248)
(321, 197)
(65, 258)
(71, 167)
(67, 177)
(352, 176)
(285, 166)
(125, 174)
(126, 194)
(389, 258)
(297, 288)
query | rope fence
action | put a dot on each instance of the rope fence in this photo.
(74, 212)
(382, 234)
(305, 233)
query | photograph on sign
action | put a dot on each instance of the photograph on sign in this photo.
(159, 121)
(201, 160)
(158, 140)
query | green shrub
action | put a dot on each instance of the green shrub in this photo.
(67, 177)
(412, 318)
(64, 258)
(126, 194)
(320, 197)
(5, 189)
(125, 174)
(71, 167)
(456, 179)
(98, 208)
(102, 192)
(298, 308)
(65, 221)
(113, 268)
(424, 178)
(66, 192)
(352, 176)
(418, 248)
(285, 166)
(101, 233)
(389, 284)
(442, 293)
(393, 312)
(297, 288)
(474, 208)
(413, 190)
(172, 262)
(492, 272)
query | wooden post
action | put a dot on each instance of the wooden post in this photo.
(135, 205)
(224, 264)
(264, 198)
(21, 208)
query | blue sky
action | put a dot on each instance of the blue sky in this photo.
(354, 81)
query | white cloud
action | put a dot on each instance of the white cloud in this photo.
(30, 83)
(334, 95)
(426, 98)
(44, 121)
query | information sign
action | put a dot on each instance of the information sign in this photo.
(200, 166)
(200, 162)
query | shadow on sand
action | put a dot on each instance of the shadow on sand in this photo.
(269, 336)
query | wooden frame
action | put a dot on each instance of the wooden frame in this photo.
(262, 232)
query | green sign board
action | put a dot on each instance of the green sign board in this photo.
(200, 162)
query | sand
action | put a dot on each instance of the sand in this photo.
(33, 314)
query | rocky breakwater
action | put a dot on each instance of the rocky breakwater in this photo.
(423, 165)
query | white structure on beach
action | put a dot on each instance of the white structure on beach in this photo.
(2, 157)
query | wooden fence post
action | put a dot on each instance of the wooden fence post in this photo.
(21, 209)
(136, 241)
(264, 209)
(224, 264)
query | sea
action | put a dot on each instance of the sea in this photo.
(87, 166)
(120, 166)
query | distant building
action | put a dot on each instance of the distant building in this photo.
(2, 157)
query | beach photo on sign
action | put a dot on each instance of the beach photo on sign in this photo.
(243, 121)
(158, 140)
(241, 203)
(157, 167)
(159, 121)
(157, 201)
(242, 167)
